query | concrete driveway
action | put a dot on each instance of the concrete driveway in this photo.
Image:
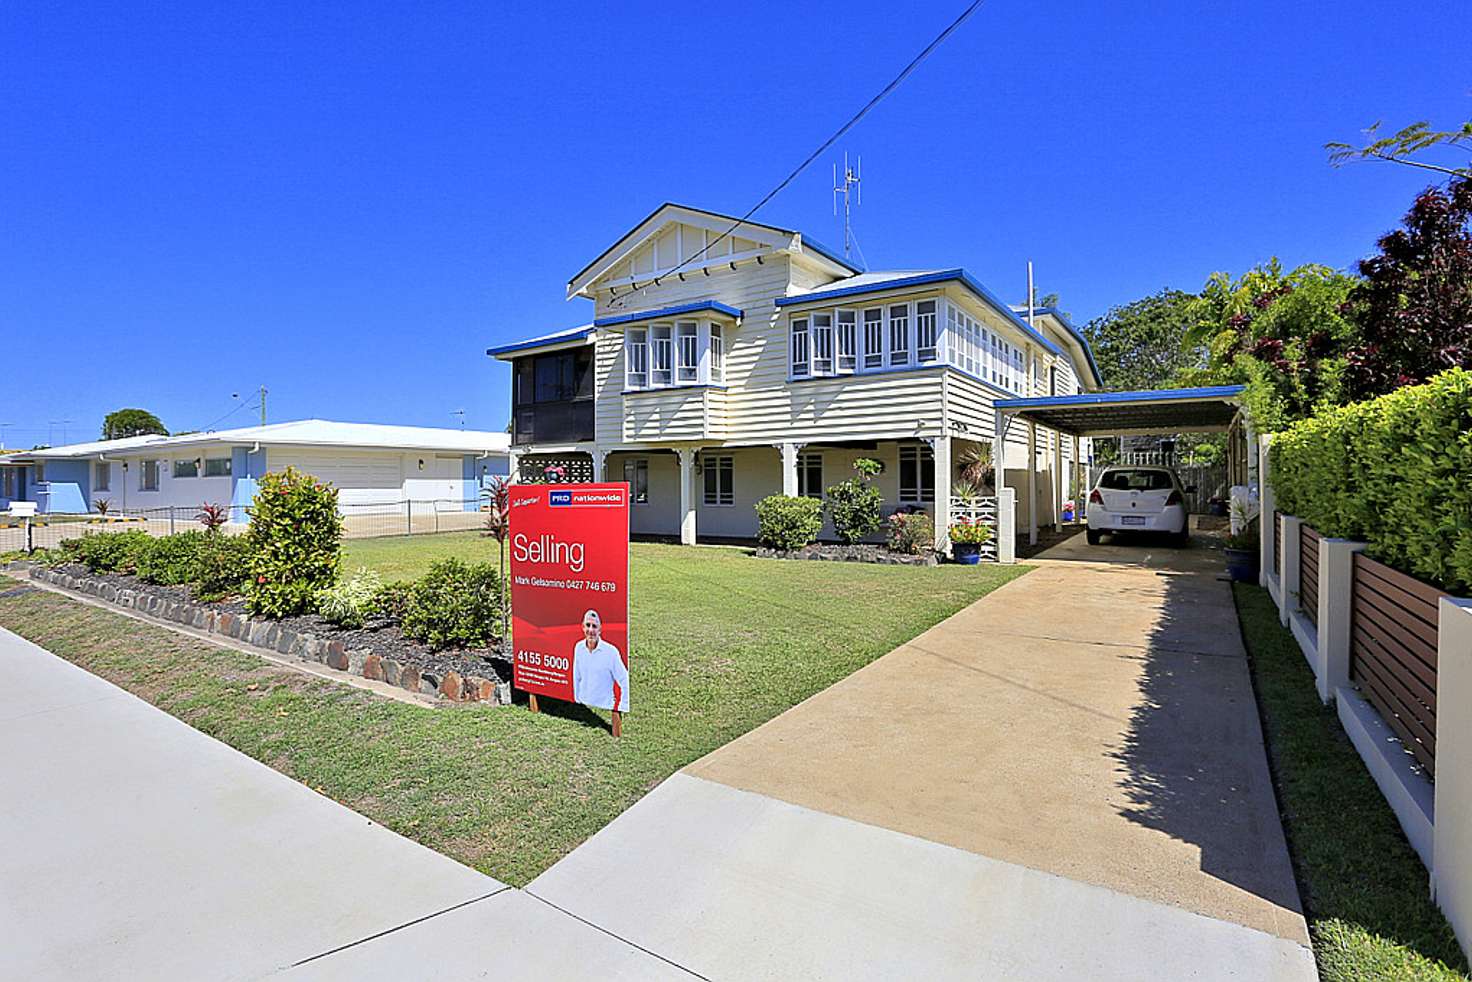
(1065, 780)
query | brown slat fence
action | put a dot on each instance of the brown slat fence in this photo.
(1308, 573)
(1393, 652)
(1278, 544)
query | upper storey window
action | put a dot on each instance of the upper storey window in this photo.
(678, 353)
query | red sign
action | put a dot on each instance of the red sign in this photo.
(570, 592)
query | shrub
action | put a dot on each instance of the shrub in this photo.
(856, 505)
(788, 523)
(221, 566)
(912, 533)
(391, 601)
(294, 536)
(1395, 472)
(171, 559)
(107, 552)
(455, 604)
(350, 602)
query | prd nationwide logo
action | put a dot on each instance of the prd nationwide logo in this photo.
(559, 497)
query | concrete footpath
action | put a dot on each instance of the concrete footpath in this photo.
(136, 847)
(1065, 780)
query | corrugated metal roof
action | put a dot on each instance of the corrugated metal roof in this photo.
(304, 432)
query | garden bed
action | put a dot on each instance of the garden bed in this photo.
(377, 651)
(857, 553)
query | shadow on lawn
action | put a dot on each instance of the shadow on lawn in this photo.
(574, 712)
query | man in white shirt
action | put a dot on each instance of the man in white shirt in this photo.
(597, 668)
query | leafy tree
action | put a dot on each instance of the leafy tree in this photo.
(294, 536)
(131, 422)
(1414, 139)
(1283, 335)
(1414, 306)
(1142, 344)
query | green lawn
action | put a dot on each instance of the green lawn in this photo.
(1364, 889)
(721, 642)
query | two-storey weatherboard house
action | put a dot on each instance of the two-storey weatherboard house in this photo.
(768, 364)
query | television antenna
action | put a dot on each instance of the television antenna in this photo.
(850, 185)
(461, 414)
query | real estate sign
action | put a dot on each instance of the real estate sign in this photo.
(570, 592)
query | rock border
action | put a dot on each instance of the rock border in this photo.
(268, 635)
(858, 553)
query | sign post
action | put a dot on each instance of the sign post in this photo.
(570, 594)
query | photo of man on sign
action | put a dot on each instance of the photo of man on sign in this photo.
(599, 676)
(569, 547)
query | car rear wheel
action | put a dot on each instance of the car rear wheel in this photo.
(1093, 536)
(1181, 539)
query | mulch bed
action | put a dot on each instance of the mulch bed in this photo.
(382, 637)
(858, 553)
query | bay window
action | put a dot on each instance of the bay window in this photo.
(899, 334)
(799, 347)
(663, 356)
(925, 339)
(847, 338)
(822, 331)
(717, 355)
(874, 337)
(636, 358)
(689, 351)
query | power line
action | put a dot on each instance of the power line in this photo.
(852, 122)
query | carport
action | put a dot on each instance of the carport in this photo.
(1155, 412)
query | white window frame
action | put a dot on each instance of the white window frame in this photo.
(918, 494)
(720, 466)
(822, 341)
(717, 354)
(223, 472)
(101, 476)
(687, 352)
(926, 319)
(806, 463)
(898, 356)
(636, 358)
(799, 363)
(875, 349)
(661, 356)
(145, 468)
(632, 470)
(846, 341)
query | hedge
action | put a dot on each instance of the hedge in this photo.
(1394, 472)
(787, 522)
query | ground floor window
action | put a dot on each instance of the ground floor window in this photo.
(7, 482)
(217, 467)
(148, 475)
(810, 475)
(917, 475)
(186, 468)
(636, 473)
(101, 476)
(720, 483)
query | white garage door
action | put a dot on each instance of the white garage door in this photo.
(359, 478)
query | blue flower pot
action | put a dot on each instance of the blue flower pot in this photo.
(966, 553)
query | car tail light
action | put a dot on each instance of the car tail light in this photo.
(1095, 498)
(1174, 498)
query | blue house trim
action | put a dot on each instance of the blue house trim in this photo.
(925, 279)
(246, 469)
(684, 308)
(1077, 336)
(563, 338)
(1107, 398)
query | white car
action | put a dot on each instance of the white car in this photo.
(1139, 499)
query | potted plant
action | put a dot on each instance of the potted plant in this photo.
(1242, 547)
(967, 537)
(1069, 508)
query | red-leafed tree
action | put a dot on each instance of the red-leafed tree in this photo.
(1414, 306)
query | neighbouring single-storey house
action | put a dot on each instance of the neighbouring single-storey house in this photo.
(369, 463)
(722, 368)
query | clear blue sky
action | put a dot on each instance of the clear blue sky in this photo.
(349, 202)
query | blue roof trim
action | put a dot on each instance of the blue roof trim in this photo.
(686, 308)
(1111, 398)
(507, 349)
(922, 279)
(827, 253)
(1078, 336)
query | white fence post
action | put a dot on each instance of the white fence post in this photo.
(1336, 607)
(1288, 583)
(1006, 525)
(1266, 527)
(1451, 868)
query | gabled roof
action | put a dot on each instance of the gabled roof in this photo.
(303, 432)
(898, 279)
(1078, 336)
(770, 236)
(715, 306)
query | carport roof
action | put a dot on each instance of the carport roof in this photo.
(1131, 413)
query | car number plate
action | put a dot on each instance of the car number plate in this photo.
(1132, 519)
